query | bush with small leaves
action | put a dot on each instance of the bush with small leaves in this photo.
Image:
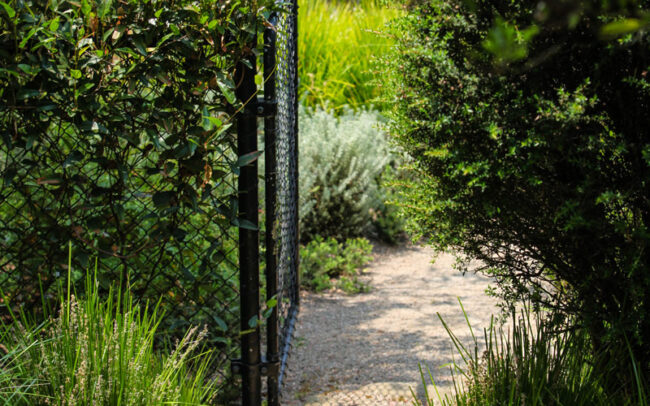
(341, 161)
(528, 124)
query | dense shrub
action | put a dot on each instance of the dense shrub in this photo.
(325, 263)
(115, 134)
(530, 133)
(341, 160)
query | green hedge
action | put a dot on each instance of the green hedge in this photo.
(115, 126)
(528, 122)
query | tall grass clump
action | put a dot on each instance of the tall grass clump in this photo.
(338, 41)
(101, 352)
(534, 363)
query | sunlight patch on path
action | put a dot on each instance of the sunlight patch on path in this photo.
(350, 347)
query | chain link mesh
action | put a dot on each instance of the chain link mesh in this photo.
(114, 200)
(287, 176)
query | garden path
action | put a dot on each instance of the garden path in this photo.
(364, 349)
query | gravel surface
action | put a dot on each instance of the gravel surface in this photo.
(364, 349)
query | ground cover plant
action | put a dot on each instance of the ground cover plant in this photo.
(338, 41)
(342, 159)
(100, 350)
(527, 124)
(327, 263)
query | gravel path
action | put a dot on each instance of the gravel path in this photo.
(364, 349)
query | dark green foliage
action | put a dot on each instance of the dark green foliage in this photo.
(388, 224)
(115, 134)
(529, 128)
(324, 260)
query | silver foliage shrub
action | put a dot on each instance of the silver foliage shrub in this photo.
(341, 160)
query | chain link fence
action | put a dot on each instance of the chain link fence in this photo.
(281, 187)
(287, 177)
(121, 206)
(141, 178)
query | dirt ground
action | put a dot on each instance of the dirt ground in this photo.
(365, 349)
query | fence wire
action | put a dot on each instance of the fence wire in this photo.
(121, 200)
(119, 208)
(287, 177)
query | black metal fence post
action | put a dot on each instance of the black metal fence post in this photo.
(294, 158)
(270, 174)
(248, 237)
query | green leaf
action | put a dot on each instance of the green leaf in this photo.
(162, 199)
(220, 323)
(507, 42)
(248, 158)
(10, 11)
(27, 94)
(272, 302)
(621, 27)
(75, 73)
(214, 121)
(85, 7)
(247, 225)
(26, 38)
(227, 87)
(206, 123)
(140, 46)
(104, 7)
(29, 69)
(54, 24)
(165, 38)
(253, 322)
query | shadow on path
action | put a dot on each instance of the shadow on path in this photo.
(365, 349)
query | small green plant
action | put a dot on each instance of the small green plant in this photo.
(100, 352)
(322, 261)
(532, 362)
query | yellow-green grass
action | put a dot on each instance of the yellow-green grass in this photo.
(338, 44)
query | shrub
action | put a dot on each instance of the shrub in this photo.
(389, 224)
(115, 133)
(338, 41)
(323, 260)
(529, 132)
(341, 160)
(101, 352)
